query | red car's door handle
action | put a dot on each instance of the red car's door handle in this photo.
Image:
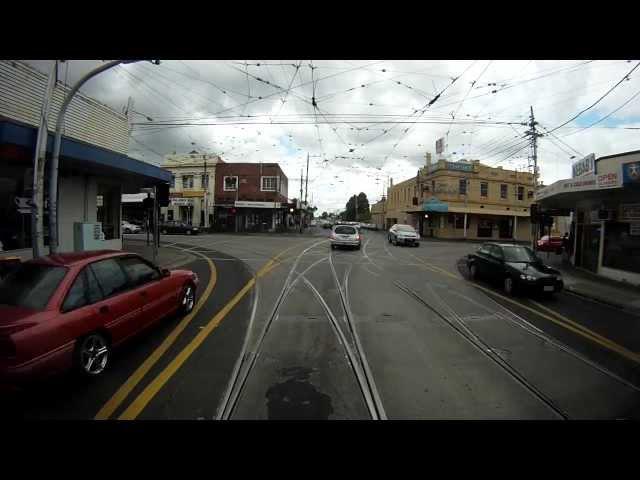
(104, 309)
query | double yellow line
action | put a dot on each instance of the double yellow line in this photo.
(143, 399)
(553, 317)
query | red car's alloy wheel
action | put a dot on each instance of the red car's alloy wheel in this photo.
(93, 354)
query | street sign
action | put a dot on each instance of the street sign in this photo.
(584, 166)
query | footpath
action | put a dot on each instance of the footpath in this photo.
(586, 284)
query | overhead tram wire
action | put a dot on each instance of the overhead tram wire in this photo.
(582, 129)
(140, 83)
(560, 140)
(597, 101)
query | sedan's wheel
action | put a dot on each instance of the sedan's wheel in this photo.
(126, 230)
(389, 238)
(187, 299)
(473, 271)
(509, 286)
(164, 231)
(394, 242)
(92, 354)
(188, 232)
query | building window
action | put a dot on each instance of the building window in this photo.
(484, 189)
(530, 194)
(503, 190)
(173, 181)
(462, 186)
(230, 184)
(520, 193)
(269, 184)
(205, 181)
(187, 181)
(621, 248)
(458, 221)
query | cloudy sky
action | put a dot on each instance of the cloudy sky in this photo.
(372, 120)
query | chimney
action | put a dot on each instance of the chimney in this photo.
(428, 157)
(391, 182)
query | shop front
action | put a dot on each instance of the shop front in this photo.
(605, 216)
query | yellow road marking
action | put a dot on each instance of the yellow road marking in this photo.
(121, 394)
(611, 343)
(154, 387)
(570, 325)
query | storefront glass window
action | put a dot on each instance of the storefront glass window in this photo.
(621, 249)
(108, 203)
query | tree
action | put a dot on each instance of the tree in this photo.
(324, 215)
(364, 214)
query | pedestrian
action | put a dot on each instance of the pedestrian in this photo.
(567, 245)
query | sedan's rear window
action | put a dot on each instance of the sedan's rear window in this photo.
(31, 285)
(345, 230)
(405, 228)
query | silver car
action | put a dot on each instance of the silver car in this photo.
(345, 236)
(404, 235)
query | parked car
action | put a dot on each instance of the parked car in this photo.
(345, 236)
(130, 228)
(516, 267)
(178, 227)
(69, 311)
(549, 244)
(327, 225)
(403, 234)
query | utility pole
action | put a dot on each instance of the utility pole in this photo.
(206, 189)
(534, 143)
(39, 159)
(301, 200)
(356, 207)
(306, 182)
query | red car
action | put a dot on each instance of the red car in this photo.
(70, 310)
(550, 244)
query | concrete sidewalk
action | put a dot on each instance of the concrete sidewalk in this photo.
(586, 284)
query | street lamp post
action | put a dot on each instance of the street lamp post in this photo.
(53, 174)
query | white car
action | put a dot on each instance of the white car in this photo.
(403, 234)
(130, 228)
(345, 236)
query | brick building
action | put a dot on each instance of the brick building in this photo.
(250, 197)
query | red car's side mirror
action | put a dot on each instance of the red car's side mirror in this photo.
(165, 272)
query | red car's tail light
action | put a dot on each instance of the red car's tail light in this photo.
(7, 347)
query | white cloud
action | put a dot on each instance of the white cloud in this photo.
(182, 90)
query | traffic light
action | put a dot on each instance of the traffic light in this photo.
(162, 191)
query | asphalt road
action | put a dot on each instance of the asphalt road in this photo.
(294, 330)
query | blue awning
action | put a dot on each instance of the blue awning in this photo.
(435, 205)
(84, 154)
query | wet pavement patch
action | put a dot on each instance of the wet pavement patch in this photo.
(297, 398)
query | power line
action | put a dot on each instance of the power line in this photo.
(597, 101)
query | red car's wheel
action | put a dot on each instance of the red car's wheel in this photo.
(92, 354)
(187, 299)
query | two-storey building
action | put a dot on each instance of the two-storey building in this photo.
(378, 211)
(464, 200)
(251, 197)
(192, 187)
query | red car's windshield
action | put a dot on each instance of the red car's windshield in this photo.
(31, 285)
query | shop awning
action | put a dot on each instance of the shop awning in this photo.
(85, 158)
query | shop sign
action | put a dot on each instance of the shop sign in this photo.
(182, 202)
(630, 211)
(584, 166)
(459, 166)
(608, 180)
(631, 173)
(634, 229)
(247, 204)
